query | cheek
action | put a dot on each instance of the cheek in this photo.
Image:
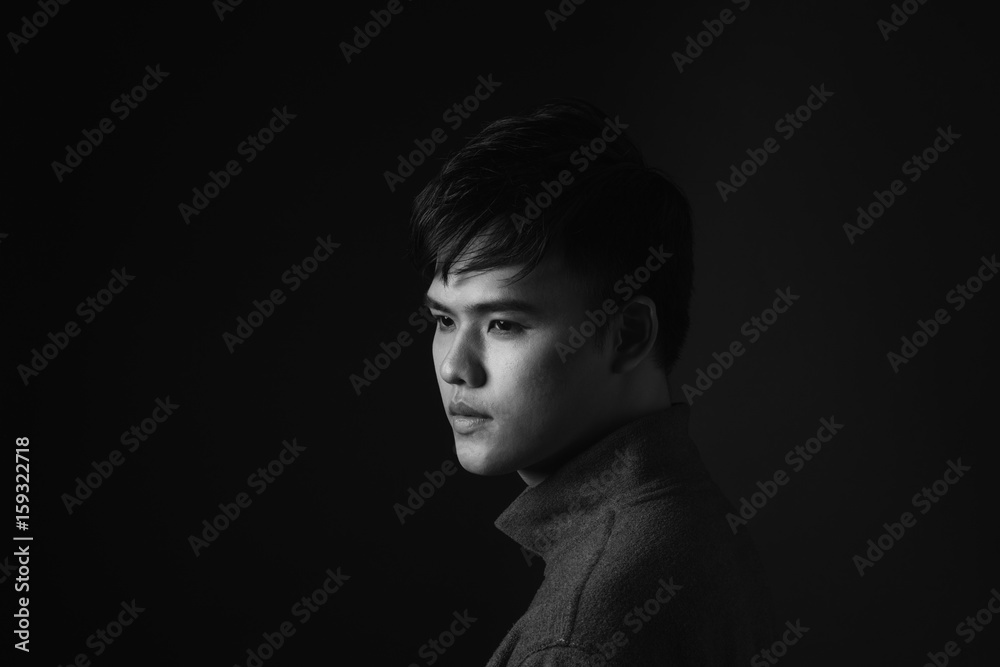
(538, 371)
(576, 383)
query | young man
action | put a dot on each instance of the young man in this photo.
(560, 271)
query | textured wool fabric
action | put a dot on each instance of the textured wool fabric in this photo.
(641, 566)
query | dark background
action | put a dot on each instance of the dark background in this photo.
(323, 175)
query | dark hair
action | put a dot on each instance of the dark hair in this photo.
(605, 219)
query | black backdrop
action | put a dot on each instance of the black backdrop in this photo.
(323, 176)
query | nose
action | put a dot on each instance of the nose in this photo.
(462, 363)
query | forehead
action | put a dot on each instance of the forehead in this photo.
(549, 286)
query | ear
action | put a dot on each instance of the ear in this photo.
(637, 328)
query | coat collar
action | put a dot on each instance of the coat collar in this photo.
(644, 455)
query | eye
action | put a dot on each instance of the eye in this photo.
(507, 328)
(442, 324)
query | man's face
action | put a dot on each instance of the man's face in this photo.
(495, 350)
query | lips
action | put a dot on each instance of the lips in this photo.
(462, 409)
(468, 420)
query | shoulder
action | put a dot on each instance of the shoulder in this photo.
(671, 560)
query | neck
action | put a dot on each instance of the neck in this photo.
(645, 393)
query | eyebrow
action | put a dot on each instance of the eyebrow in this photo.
(486, 307)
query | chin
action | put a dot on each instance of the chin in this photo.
(475, 458)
